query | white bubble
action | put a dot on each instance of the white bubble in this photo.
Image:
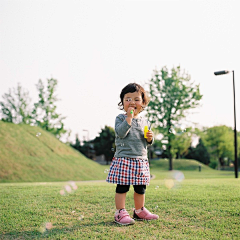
(178, 175)
(48, 225)
(174, 179)
(81, 217)
(73, 184)
(156, 187)
(169, 183)
(68, 188)
(42, 229)
(62, 192)
(45, 227)
(38, 134)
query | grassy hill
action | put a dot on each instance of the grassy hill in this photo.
(25, 157)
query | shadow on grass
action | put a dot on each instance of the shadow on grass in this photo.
(56, 231)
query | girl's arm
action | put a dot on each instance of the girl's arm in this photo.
(122, 127)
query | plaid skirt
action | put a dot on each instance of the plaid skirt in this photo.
(129, 171)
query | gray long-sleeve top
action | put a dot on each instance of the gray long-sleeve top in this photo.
(129, 140)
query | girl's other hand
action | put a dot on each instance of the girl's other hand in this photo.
(149, 135)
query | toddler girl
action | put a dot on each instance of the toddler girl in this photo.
(130, 163)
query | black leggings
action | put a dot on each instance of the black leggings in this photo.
(140, 189)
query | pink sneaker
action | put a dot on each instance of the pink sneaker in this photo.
(123, 218)
(144, 215)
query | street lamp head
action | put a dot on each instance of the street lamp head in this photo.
(221, 72)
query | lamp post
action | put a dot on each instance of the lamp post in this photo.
(235, 129)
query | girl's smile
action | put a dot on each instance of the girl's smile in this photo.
(133, 100)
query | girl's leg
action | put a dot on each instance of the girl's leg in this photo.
(121, 215)
(139, 196)
(139, 200)
(120, 199)
(120, 196)
(140, 212)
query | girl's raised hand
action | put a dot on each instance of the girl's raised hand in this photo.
(130, 112)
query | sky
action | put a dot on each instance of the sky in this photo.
(95, 48)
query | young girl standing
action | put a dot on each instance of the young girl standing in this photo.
(130, 163)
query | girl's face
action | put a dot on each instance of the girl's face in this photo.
(133, 100)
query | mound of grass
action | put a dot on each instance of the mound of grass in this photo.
(27, 156)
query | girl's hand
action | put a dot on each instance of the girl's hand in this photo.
(130, 112)
(149, 135)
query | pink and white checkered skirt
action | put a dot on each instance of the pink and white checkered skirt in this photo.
(129, 171)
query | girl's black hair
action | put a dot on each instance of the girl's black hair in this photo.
(130, 88)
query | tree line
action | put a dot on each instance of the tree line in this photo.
(16, 108)
(215, 146)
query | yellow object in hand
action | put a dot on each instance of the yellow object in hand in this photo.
(145, 131)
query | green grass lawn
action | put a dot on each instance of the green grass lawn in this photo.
(199, 207)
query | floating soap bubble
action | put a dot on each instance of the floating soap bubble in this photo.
(156, 207)
(169, 183)
(174, 179)
(156, 187)
(49, 226)
(106, 170)
(62, 192)
(178, 175)
(45, 227)
(69, 188)
(73, 184)
(81, 217)
(38, 134)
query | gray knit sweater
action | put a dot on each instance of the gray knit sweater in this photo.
(129, 140)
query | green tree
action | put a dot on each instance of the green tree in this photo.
(181, 142)
(199, 153)
(16, 107)
(44, 112)
(105, 143)
(172, 94)
(83, 148)
(77, 144)
(219, 142)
